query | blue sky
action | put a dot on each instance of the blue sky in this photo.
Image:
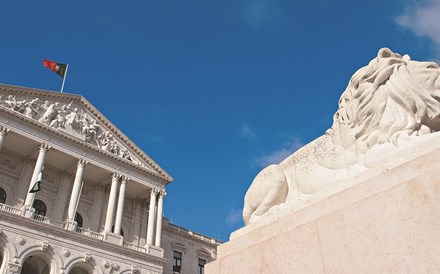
(212, 90)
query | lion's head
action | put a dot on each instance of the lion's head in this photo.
(390, 98)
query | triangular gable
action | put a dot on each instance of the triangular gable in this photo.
(73, 115)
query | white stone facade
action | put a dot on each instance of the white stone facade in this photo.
(92, 214)
(193, 246)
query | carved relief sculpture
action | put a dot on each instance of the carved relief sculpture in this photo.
(388, 106)
(72, 121)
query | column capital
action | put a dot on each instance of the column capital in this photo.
(162, 194)
(124, 179)
(154, 191)
(44, 147)
(116, 176)
(3, 130)
(82, 162)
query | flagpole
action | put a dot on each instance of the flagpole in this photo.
(77, 201)
(64, 78)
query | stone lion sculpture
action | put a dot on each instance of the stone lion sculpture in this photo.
(388, 103)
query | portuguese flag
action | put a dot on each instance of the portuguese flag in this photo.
(58, 68)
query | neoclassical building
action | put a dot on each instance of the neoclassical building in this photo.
(101, 201)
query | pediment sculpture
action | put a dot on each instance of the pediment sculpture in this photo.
(70, 119)
(388, 106)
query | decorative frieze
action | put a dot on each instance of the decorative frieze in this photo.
(69, 119)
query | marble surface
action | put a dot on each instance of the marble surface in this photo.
(387, 107)
(387, 222)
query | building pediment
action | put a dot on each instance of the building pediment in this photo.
(73, 115)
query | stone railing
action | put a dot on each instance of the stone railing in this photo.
(90, 233)
(10, 209)
(135, 247)
(193, 234)
(156, 251)
(149, 249)
(44, 219)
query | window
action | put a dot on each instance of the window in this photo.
(2, 196)
(35, 265)
(78, 220)
(177, 261)
(40, 207)
(201, 266)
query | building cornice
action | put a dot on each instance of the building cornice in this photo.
(188, 234)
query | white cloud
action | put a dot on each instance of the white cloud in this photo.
(234, 216)
(247, 132)
(423, 19)
(277, 156)
(257, 13)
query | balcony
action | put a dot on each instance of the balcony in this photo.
(27, 216)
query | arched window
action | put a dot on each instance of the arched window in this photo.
(2, 196)
(78, 270)
(78, 220)
(40, 207)
(35, 265)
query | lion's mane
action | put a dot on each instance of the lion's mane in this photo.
(390, 97)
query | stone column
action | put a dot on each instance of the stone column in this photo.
(120, 210)
(38, 166)
(77, 185)
(152, 210)
(159, 218)
(3, 132)
(111, 203)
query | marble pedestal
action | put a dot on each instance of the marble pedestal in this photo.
(387, 221)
